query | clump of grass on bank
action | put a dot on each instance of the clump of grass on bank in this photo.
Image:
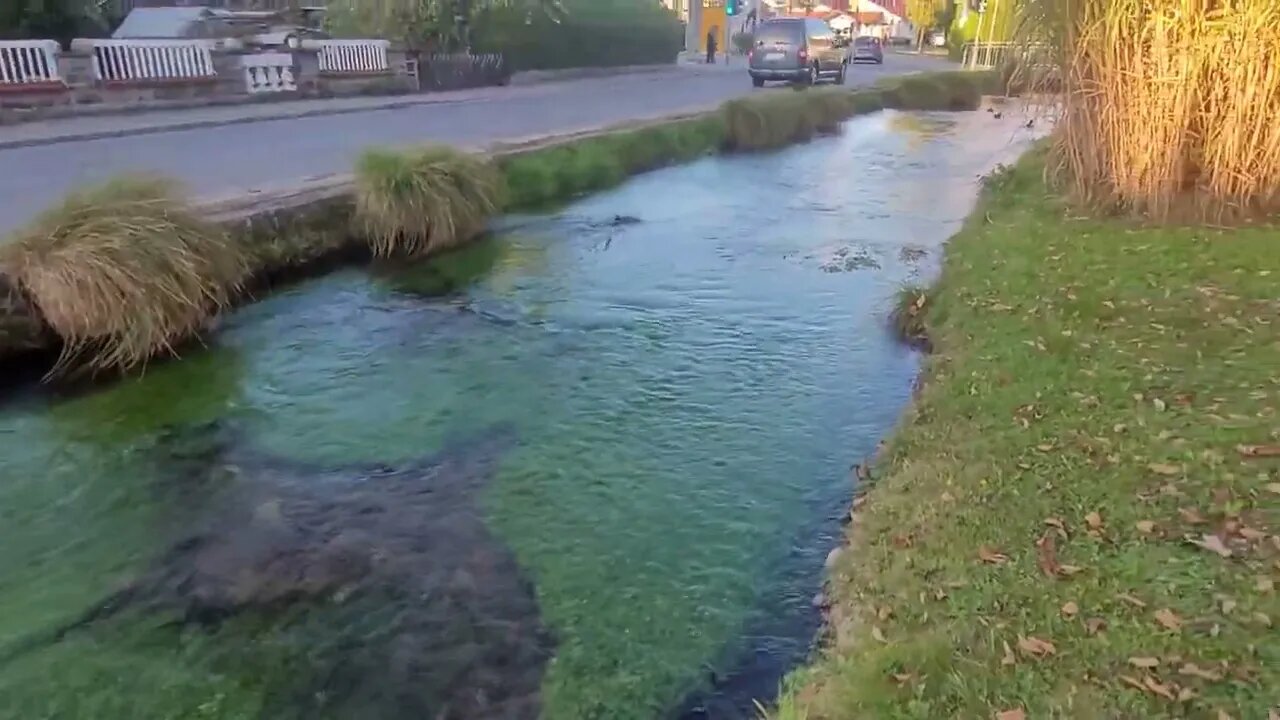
(1169, 107)
(418, 201)
(123, 271)
(953, 90)
(1078, 516)
(767, 121)
(910, 306)
(538, 178)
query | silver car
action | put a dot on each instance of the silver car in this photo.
(868, 49)
(803, 50)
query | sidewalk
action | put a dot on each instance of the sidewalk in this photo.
(105, 125)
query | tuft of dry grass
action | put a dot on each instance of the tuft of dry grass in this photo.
(423, 200)
(123, 271)
(907, 318)
(1170, 106)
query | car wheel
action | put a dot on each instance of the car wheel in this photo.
(757, 81)
(813, 75)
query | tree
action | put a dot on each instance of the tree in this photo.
(59, 20)
(423, 24)
(923, 14)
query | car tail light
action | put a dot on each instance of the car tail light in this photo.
(803, 55)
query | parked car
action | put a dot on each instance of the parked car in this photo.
(869, 49)
(938, 39)
(803, 50)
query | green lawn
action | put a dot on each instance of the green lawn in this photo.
(1073, 520)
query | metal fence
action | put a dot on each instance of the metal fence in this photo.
(151, 60)
(353, 56)
(28, 62)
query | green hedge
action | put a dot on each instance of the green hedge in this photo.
(609, 33)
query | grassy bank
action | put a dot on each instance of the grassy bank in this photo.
(82, 285)
(1078, 516)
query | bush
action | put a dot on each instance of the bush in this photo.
(773, 120)
(419, 201)
(541, 177)
(123, 271)
(953, 90)
(591, 34)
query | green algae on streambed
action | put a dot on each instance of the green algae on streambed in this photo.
(686, 393)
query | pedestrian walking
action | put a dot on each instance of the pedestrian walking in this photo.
(711, 46)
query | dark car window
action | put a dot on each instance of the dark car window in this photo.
(774, 32)
(866, 42)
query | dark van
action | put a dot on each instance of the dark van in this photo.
(802, 50)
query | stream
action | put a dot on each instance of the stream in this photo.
(587, 467)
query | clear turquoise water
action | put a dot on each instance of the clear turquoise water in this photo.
(688, 393)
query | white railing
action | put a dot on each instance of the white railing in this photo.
(149, 60)
(270, 72)
(28, 62)
(354, 56)
(986, 54)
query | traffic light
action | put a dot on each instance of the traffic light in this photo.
(731, 7)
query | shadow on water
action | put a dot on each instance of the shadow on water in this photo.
(661, 388)
(457, 634)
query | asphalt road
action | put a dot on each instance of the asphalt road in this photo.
(272, 152)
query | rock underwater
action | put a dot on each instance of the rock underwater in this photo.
(424, 612)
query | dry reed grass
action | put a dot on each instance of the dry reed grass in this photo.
(423, 200)
(1170, 106)
(123, 271)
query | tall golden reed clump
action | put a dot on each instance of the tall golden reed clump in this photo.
(419, 201)
(1171, 108)
(123, 271)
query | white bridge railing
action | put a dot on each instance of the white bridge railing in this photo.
(269, 72)
(28, 62)
(353, 56)
(151, 60)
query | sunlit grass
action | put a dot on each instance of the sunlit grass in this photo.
(1075, 519)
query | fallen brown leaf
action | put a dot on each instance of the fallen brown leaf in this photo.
(1126, 597)
(1262, 619)
(884, 613)
(1146, 527)
(1132, 681)
(1213, 544)
(1259, 451)
(1186, 694)
(1094, 520)
(1055, 523)
(1168, 619)
(1069, 570)
(1193, 670)
(1159, 688)
(992, 556)
(1047, 555)
(1009, 658)
(1222, 715)
(1036, 647)
(1191, 516)
(1251, 534)
(1164, 469)
(1273, 488)
(1144, 662)
(1014, 714)
(1070, 609)
(1095, 625)
(877, 634)
(903, 678)
(1265, 585)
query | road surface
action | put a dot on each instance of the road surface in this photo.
(254, 153)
